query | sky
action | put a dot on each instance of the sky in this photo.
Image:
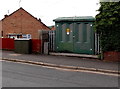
(47, 10)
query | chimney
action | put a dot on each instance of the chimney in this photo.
(5, 15)
(39, 19)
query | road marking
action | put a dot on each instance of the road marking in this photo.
(71, 70)
(15, 54)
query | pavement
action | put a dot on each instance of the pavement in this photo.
(64, 60)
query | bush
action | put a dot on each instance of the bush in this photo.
(107, 24)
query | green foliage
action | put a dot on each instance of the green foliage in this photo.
(108, 26)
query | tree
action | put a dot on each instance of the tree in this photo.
(108, 26)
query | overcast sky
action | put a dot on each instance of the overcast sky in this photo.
(48, 10)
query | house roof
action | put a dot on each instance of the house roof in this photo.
(80, 18)
(52, 27)
(6, 16)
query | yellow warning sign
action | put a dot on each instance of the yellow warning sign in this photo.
(68, 31)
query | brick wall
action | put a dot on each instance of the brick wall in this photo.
(112, 56)
(0, 28)
(22, 22)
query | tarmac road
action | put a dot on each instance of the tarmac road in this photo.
(24, 75)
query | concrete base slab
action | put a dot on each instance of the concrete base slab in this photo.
(74, 55)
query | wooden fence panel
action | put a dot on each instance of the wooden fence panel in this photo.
(7, 43)
(36, 46)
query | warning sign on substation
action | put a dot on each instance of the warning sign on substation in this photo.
(68, 31)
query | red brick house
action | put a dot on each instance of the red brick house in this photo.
(21, 23)
(52, 27)
(0, 29)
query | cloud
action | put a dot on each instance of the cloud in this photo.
(48, 10)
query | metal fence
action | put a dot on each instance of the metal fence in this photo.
(97, 44)
(52, 41)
